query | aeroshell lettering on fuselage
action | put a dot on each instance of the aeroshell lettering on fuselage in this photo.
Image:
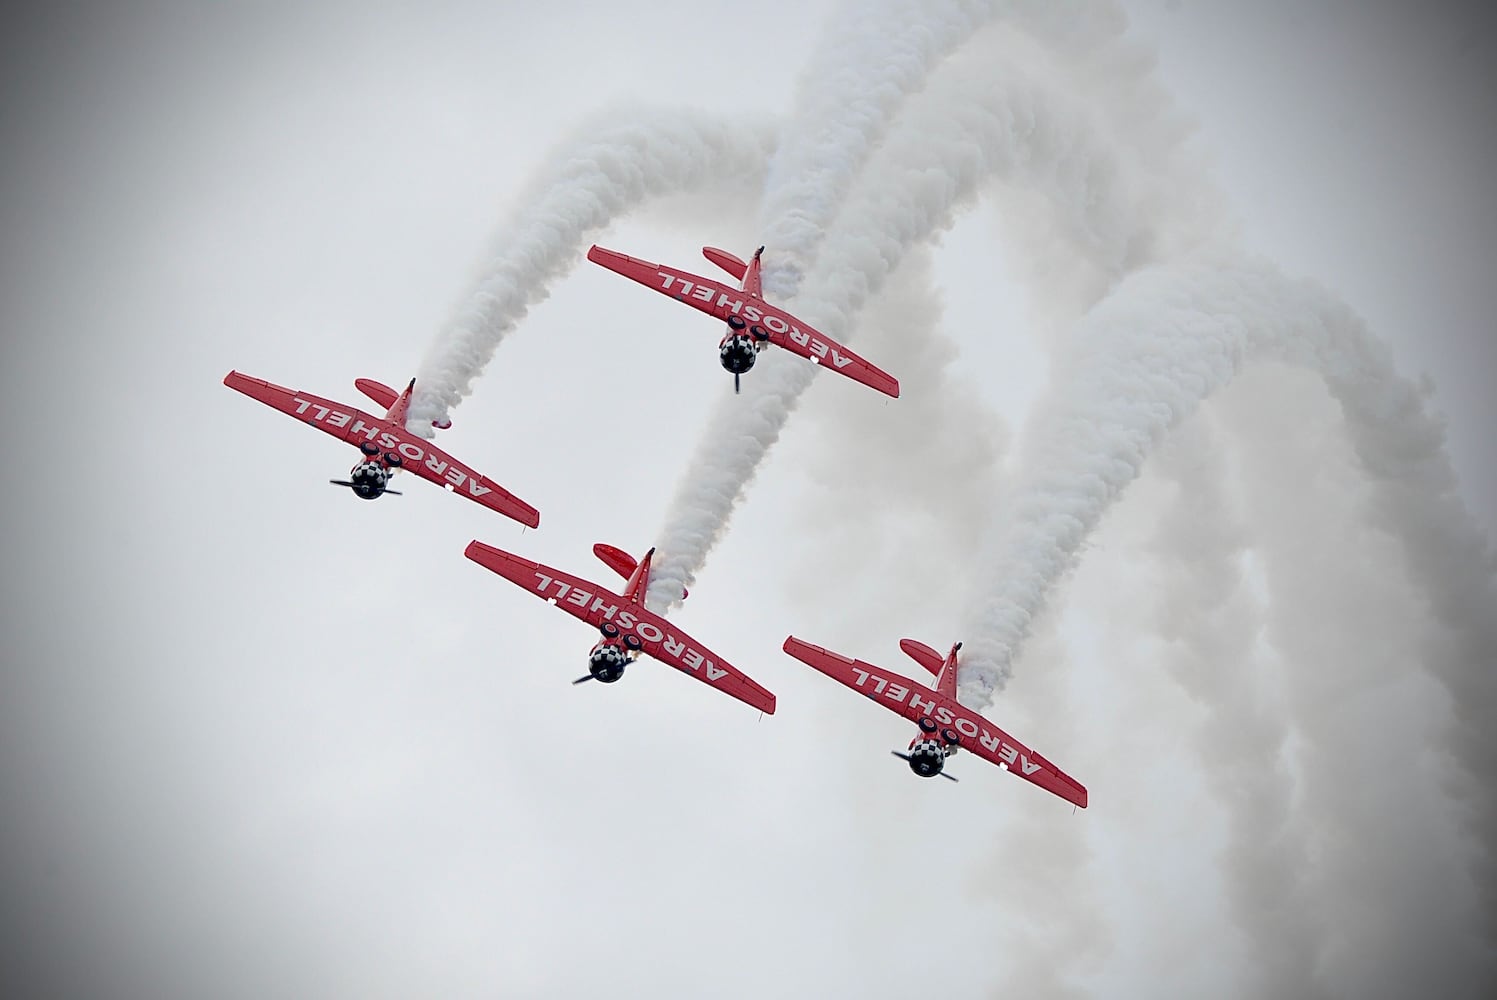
(877, 687)
(410, 452)
(686, 657)
(745, 307)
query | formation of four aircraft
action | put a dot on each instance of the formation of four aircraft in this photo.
(627, 627)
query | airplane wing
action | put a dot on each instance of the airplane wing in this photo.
(722, 301)
(799, 337)
(915, 702)
(421, 457)
(590, 603)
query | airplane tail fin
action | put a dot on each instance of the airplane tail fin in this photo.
(387, 397)
(626, 565)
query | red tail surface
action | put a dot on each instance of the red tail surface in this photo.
(377, 391)
(395, 403)
(616, 559)
(943, 667)
(746, 273)
(638, 574)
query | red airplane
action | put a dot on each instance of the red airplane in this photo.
(628, 627)
(387, 446)
(752, 323)
(945, 726)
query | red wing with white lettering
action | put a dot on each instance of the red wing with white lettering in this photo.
(386, 444)
(864, 678)
(693, 659)
(582, 599)
(346, 422)
(441, 468)
(799, 337)
(596, 605)
(956, 723)
(703, 294)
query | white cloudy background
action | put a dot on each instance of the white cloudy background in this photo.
(258, 738)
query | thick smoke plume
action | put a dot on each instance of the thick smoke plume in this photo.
(976, 122)
(608, 170)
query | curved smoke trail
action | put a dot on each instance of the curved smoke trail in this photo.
(610, 168)
(1163, 342)
(1166, 341)
(977, 122)
(874, 58)
(1212, 620)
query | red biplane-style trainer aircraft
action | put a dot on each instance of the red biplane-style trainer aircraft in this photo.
(628, 627)
(752, 322)
(387, 446)
(945, 725)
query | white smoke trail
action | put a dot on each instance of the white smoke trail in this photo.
(1212, 621)
(874, 57)
(976, 122)
(1165, 341)
(1391, 911)
(610, 167)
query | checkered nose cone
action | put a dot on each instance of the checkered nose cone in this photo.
(369, 472)
(608, 655)
(737, 354)
(927, 757)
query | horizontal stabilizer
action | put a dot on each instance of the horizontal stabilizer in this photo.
(728, 262)
(923, 655)
(616, 559)
(377, 391)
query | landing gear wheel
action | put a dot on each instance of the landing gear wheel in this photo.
(393, 460)
(927, 725)
(632, 641)
(758, 332)
(369, 448)
(951, 736)
(736, 322)
(609, 629)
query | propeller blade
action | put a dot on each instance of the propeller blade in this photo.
(947, 776)
(341, 482)
(584, 677)
(735, 384)
(394, 493)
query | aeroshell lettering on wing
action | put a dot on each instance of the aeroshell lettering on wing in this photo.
(683, 288)
(684, 657)
(877, 687)
(410, 452)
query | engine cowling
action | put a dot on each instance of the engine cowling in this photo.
(607, 661)
(369, 480)
(737, 353)
(927, 757)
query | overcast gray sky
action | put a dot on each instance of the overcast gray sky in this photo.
(257, 737)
